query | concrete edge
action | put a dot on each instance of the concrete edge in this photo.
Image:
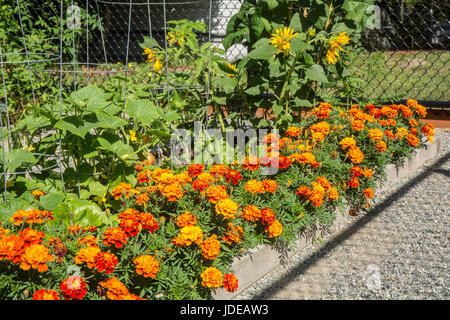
(263, 259)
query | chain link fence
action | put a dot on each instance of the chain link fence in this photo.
(405, 51)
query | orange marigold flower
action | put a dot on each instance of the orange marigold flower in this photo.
(233, 176)
(347, 143)
(293, 132)
(210, 248)
(381, 146)
(105, 261)
(36, 256)
(389, 134)
(30, 216)
(173, 192)
(353, 183)
(412, 140)
(357, 125)
(218, 170)
(251, 163)
(116, 289)
(428, 129)
(389, 112)
(37, 194)
(323, 182)
(251, 213)
(267, 216)
(216, 193)
(355, 155)
(413, 123)
(143, 176)
(88, 241)
(195, 169)
(230, 282)
(375, 134)
(147, 266)
(74, 287)
(274, 229)
(11, 247)
(211, 278)
(333, 194)
(406, 112)
(31, 236)
(115, 236)
(186, 219)
(234, 233)
(188, 235)
(322, 127)
(413, 130)
(254, 186)
(148, 222)
(368, 193)
(227, 208)
(74, 229)
(122, 189)
(142, 199)
(367, 172)
(87, 255)
(401, 132)
(356, 171)
(44, 294)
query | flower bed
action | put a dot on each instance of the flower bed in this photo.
(175, 233)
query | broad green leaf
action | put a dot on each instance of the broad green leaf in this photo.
(143, 110)
(316, 73)
(18, 157)
(111, 122)
(264, 52)
(277, 109)
(76, 126)
(52, 200)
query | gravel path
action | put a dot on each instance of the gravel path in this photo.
(399, 250)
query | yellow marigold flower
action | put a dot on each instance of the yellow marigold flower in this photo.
(189, 235)
(186, 219)
(173, 192)
(36, 256)
(87, 255)
(375, 134)
(227, 208)
(88, 241)
(211, 248)
(216, 193)
(357, 125)
(212, 278)
(251, 213)
(274, 229)
(254, 186)
(333, 194)
(151, 57)
(355, 155)
(281, 39)
(147, 266)
(347, 143)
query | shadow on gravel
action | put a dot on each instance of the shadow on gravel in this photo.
(303, 266)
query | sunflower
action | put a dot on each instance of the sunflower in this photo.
(282, 39)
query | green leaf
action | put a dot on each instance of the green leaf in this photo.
(87, 213)
(277, 109)
(296, 23)
(51, 200)
(111, 122)
(143, 110)
(75, 126)
(264, 52)
(316, 73)
(18, 157)
(97, 189)
(298, 44)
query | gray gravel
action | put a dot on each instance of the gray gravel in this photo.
(399, 250)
